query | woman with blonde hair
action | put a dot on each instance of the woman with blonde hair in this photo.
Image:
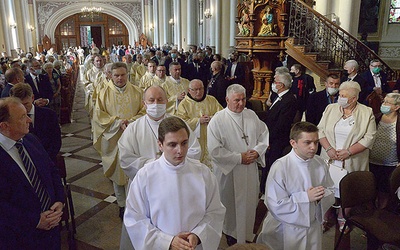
(385, 152)
(347, 132)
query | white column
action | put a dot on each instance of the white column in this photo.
(212, 26)
(27, 32)
(323, 7)
(192, 22)
(143, 17)
(156, 30)
(165, 23)
(177, 26)
(149, 11)
(218, 21)
(226, 33)
(6, 28)
(233, 14)
(349, 11)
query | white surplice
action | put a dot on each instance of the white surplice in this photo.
(238, 183)
(165, 200)
(138, 145)
(293, 222)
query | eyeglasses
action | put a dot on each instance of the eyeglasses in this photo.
(195, 90)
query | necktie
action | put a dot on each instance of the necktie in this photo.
(37, 83)
(34, 178)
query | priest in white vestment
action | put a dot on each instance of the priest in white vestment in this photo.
(175, 86)
(197, 109)
(237, 141)
(160, 76)
(117, 104)
(298, 192)
(173, 202)
(91, 81)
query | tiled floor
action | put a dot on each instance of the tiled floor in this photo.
(96, 213)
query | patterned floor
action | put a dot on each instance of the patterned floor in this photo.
(98, 224)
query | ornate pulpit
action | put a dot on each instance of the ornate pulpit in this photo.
(261, 34)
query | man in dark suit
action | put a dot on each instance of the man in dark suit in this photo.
(218, 84)
(13, 76)
(302, 87)
(44, 120)
(197, 69)
(235, 72)
(318, 101)
(376, 79)
(279, 119)
(350, 73)
(174, 57)
(40, 84)
(32, 194)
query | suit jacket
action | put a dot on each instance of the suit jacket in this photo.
(316, 105)
(308, 87)
(217, 88)
(201, 74)
(6, 90)
(239, 74)
(363, 84)
(181, 62)
(44, 86)
(19, 205)
(370, 82)
(279, 119)
(47, 129)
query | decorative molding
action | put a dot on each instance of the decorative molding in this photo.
(389, 52)
(45, 10)
(134, 10)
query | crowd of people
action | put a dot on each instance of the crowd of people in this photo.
(183, 152)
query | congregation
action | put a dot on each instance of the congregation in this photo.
(186, 153)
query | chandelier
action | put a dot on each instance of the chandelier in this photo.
(91, 12)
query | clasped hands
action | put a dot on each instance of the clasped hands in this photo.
(315, 193)
(249, 157)
(184, 241)
(340, 155)
(205, 119)
(50, 218)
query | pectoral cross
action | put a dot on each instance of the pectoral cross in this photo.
(244, 137)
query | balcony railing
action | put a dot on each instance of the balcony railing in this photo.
(318, 34)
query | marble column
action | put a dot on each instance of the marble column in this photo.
(212, 25)
(192, 23)
(232, 26)
(349, 12)
(165, 23)
(143, 16)
(177, 25)
(149, 17)
(27, 33)
(323, 7)
(218, 27)
(3, 29)
(156, 24)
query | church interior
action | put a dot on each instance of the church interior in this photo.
(320, 35)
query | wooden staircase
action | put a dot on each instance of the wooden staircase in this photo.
(322, 46)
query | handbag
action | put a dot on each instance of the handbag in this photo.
(337, 173)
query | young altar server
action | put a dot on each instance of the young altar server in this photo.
(173, 202)
(297, 194)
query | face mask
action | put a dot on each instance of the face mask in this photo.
(38, 71)
(345, 73)
(156, 110)
(342, 101)
(173, 56)
(376, 70)
(274, 89)
(385, 109)
(332, 91)
(292, 74)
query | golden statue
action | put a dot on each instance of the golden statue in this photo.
(267, 28)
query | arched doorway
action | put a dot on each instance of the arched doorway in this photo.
(103, 30)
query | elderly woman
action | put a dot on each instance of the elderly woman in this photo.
(346, 131)
(385, 153)
(55, 82)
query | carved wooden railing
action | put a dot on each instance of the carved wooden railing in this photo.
(318, 34)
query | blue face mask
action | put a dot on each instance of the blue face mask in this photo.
(385, 109)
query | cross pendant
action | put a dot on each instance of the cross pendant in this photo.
(244, 137)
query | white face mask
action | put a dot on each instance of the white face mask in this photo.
(38, 71)
(333, 91)
(342, 101)
(273, 87)
(156, 110)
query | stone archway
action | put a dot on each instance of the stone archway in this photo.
(69, 10)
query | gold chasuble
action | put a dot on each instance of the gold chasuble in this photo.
(173, 89)
(191, 111)
(113, 105)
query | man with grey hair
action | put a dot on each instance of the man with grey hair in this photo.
(279, 119)
(237, 141)
(350, 73)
